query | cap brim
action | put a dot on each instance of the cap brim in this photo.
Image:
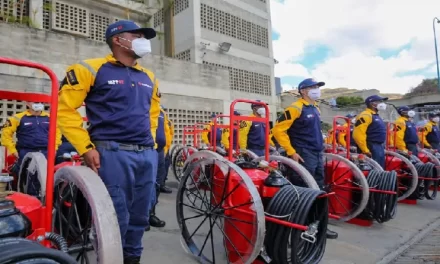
(320, 84)
(149, 33)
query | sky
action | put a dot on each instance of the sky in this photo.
(363, 44)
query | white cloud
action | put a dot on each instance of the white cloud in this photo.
(355, 31)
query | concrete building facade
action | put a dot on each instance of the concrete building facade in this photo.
(195, 84)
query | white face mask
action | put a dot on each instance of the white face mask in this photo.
(436, 119)
(261, 111)
(314, 94)
(382, 106)
(411, 113)
(353, 120)
(37, 107)
(141, 46)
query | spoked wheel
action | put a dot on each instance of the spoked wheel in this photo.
(350, 187)
(32, 175)
(273, 151)
(179, 160)
(286, 166)
(174, 148)
(84, 215)
(432, 158)
(230, 226)
(407, 175)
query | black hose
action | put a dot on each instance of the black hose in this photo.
(58, 240)
(381, 207)
(426, 170)
(20, 250)
(300, 206)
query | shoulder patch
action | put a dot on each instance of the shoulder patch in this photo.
(7, 124)
(359, 122)
(71, 77)
(63, 82)
(284, 116)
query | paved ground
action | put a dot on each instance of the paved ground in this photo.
(358, 245)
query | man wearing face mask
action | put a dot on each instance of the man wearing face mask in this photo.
(298, 131)
(253, 134)
(370, 131)
(209, 132)
(343, 135)
(406, 131)
(32, 132)
(225, 136)
(431, 133)
(122, 101)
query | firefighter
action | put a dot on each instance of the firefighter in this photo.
(331, 133)
(298, 131)
(169, 133)
(32, 132)
(225, 136)
(123, 106)
(209, 131)
(431, 133)
(161, 142)
(370, 131)
(342, 138)
(406, 131)
(253, 134)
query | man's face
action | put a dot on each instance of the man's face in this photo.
(305, 91)
(124, 41)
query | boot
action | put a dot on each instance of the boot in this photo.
(147, 228)
(165, 189)
(331, 234)
(154, 220)
(132, 260)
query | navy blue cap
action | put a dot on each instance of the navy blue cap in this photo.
(403, 109)
(213, 115)
(350, 115)
(128, 26)
(257, 105)
(375, 98)
(309, 83)
(432, 115)
(237, 113)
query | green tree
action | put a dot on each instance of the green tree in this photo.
(342, 101)
(427, 86)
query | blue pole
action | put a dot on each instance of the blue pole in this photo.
(436, 52)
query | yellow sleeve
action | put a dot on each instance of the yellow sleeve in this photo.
(245, 127)
(8, 131)
(427, 129)
(400, 134)
(168, 135)
(329, 139)
(225, 138)
(342, 135)
(360, 131)
(154, 107)
(205, 133)
(270, 139)
(283, 123)
(74, 89)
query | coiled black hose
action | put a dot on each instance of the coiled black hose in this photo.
(381, 207)
(20, 250)
(58, 240)
(425, 170)
(300, 206)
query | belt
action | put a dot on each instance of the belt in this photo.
(121, 146)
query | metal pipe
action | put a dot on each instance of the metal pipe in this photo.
(436, 50)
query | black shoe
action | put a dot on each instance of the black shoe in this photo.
(331, 234)
(156, 222)
(165, 189)
(132, 260)
(147, 228)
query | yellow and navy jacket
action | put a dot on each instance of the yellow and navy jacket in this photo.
(169, 133)
(342, 137)
(122, 103)
(252, 135)
(299, 127)
(225, 138)
(405, 133)
(431, 134)
(32, 132)
(369, 129)
(208, 131)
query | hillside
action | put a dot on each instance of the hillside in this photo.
(328, 93)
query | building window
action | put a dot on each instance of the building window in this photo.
(179, 6)
(184, 118)
(184, 55)
(221, 22)
(98, 26)
(14, 11)
(246, 81)
(70, 18)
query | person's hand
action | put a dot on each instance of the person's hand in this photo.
(91, 158)
(296, 157)
(368, 154)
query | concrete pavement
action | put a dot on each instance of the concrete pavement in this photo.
(355, 245)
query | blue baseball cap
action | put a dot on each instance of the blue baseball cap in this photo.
(128, 26)
(309, 83)
(213, 115)
(375, 98)
(350, 115)
(257, 105)
(403, 109)
(237, 113)
(432, 115)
